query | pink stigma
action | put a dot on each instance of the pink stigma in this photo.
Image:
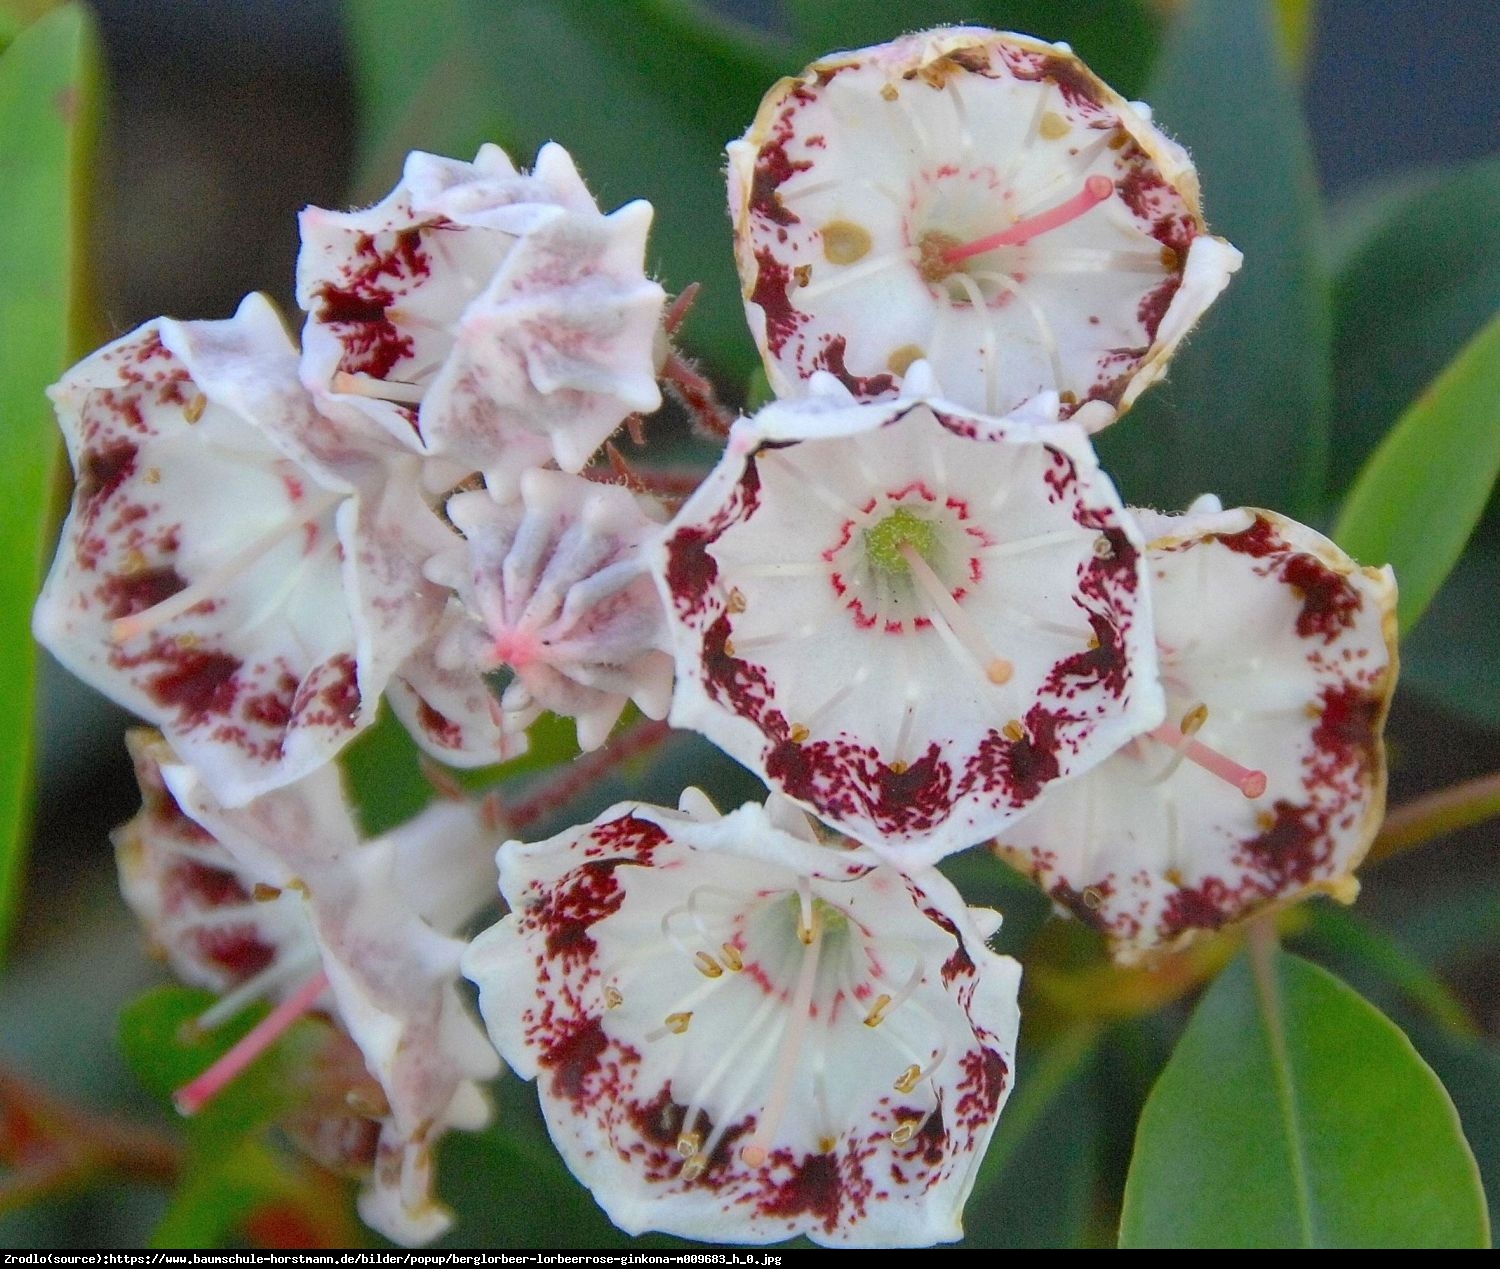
(1095, 190)
(194, 1095)
(1249, 782)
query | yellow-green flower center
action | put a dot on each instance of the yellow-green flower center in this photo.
(884, 542)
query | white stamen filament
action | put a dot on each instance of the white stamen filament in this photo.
(256, 987)
(769, 1120)
(216, 582)
(398, 390)
(948, 616)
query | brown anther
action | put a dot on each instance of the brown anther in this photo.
(899, 362)
(732, 959)
(890, 92)
(736, 600)
(1173, 876)
(1052, 126)
(728, 647)
(677, 1023)
(193, 410)
(826, 1145)
(899, 767)
(999, 671)
(844, 242)
(300, 886)
(1265, 821)
(264, 893)
(688, 1144)
(1170, 260)
(612, 998)
(877, 1011)
(694, 1167)
(707, 966)
(188, 640)
(802, 274)
(798, 733)
(1068, 397)
(134, 563)
(904, 1131)
(909, 1079)
(932, 255)
(1103, 548)
(152, 475)
(1194, 719)
(1013, 731)
(1119, 139)
(1092, 897)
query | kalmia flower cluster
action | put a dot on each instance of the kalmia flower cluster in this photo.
(907, 597)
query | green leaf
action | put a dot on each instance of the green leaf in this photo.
(166, 1051)
(1293, 1114)
(1117, 38)
(1422, 492)
(232, 1190)
(1337, 931)
(1245, 410)
(1452, 656)
(49, 96)
(1045, 1145)
(1416, 272)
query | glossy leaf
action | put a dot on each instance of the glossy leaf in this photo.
(1416, 273)
(1117, 38)
(1244, 412)
(1340, 932)
(1293, 1114)
(1419, 497)
(49, 92)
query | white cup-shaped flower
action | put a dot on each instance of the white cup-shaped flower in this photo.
(741, 1034)
(280, 900)
(1267, 782)
(908, 618)
(256, 629)
(977, 199)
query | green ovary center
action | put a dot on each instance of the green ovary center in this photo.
(885, 542)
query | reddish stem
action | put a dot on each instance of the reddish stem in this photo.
(586, 771)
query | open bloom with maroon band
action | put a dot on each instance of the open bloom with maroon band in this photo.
(908, 618)
(257, 630)
(742, 1034)
(979, 200)
(1268, 781)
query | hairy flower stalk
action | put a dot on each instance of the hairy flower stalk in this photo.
(909, 618)
(1278, 660)
(741, 1034)
(977, 200)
